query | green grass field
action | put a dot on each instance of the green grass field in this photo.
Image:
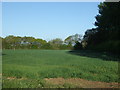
(35, 65)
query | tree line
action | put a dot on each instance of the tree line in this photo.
(17, 42)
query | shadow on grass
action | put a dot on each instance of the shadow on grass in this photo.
(3, 54)
(92, 54)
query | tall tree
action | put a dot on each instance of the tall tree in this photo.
(71, 40)
(107, 31)
(108, 20)
(56, 43)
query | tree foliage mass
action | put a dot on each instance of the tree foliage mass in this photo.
(105, 37)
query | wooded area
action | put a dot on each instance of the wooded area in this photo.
(17, 42)
(105, 37)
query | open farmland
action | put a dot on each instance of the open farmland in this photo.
(35, 68)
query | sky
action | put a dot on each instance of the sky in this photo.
(47, 20)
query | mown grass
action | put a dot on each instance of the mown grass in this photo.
(39, 64)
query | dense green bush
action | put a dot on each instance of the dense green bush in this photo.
(109, 46)
(78, 46)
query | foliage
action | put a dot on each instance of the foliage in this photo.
(47, 46)
(65, 47)
(78, 46)
(105, 37)
(17, 42)
(71, 40)
(56, 43)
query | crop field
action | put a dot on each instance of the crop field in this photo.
(32, 68)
